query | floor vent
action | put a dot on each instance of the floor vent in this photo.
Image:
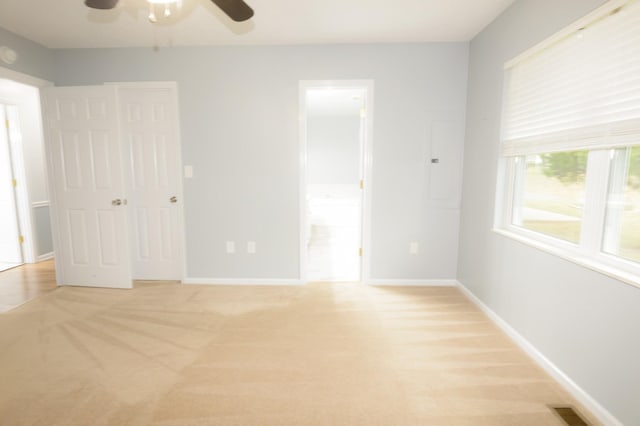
(569, 415)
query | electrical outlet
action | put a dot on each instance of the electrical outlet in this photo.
(413, 248)
(231, 247)
(251, 247)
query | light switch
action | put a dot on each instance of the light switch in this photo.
(188, 172)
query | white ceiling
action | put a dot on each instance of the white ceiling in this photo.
(70, 24)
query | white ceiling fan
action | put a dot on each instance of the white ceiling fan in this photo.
(237, 10)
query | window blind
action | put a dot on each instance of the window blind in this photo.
(581, 92)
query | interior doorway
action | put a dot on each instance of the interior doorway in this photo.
(25, 207)
(10, 237)
(336, 133)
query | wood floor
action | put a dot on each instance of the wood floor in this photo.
(24, 283)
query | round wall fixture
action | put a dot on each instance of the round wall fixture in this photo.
(8, 56)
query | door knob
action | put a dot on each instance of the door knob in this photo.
(116, 202)
(173, 199)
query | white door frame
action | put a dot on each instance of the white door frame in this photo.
(368, 86)
(25, 205)
(12, 163)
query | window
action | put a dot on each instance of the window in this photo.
(571, 143)
(622, 224)
(550, 194)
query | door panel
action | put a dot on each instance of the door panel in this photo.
(87, 177)
(150, 133)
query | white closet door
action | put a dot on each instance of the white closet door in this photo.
(150, 135)
(89, 207)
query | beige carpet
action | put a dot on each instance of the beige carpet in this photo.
(322, 354)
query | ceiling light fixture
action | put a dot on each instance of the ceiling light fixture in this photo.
(166, 6)
(237, 10)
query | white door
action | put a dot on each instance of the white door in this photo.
(10, 250)
(149, 126)
(89, 201)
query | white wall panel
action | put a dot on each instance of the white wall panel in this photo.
(100, 160)
(77, 220)
(107, 232)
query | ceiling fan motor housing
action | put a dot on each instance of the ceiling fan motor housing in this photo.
(101, 4)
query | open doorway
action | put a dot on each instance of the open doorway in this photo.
(335, 145)
(25, 235)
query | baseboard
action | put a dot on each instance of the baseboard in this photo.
(576, 391)
(412, 283)
(43, 257)
(289, 281)
(241, 281)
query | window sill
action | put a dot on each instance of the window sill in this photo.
(592, 264)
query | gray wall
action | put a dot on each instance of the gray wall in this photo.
(33, 59)
(239, 120)
(42, 225)
(333, 149)
(584, 322)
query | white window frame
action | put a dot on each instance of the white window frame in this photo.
(589, 251)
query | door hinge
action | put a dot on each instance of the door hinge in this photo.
(360, 252)
(14, 182)
(361, 184)
(7, 124)
(363, 113)
(21, 239)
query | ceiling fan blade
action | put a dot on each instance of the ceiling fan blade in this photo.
(237, 10)
(101, 4)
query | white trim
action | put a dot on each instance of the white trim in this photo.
(302, 190)
(242, 281)
(412, 283)
(144, 84)
(19, 77)
(565, 381)
(182, 218)
(598, 13)
(46, 256)
(562, 251)
(368, 85)
(365, 272)
(39, 204)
